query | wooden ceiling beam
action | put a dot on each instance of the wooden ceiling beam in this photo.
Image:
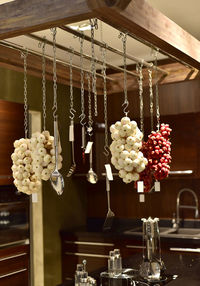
(147, 23)
(176, 73)
(11, 59)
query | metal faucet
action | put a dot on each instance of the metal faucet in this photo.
(176, 221)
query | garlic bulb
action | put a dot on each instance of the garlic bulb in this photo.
(23, 173)
(125, 149)
(43, 155)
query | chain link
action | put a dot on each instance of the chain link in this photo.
(156, 91)
(90, 121)
(82, 116)
(151, 96)
(103, 71)
(140, 82)
(44, 84)
(55, 104)
(93, 65)
(126, 103)
(72, 111)
(24, 56)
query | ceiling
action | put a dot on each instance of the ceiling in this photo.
(184, 13)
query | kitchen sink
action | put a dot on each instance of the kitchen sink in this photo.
(192, 233)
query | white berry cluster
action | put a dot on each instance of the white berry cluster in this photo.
(33, 161)
(125, 149)
(43, 155)
(24, 177)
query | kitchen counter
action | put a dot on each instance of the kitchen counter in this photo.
(184, 264)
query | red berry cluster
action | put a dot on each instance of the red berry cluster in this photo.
(157, 150)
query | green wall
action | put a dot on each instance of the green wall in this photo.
(59, 212)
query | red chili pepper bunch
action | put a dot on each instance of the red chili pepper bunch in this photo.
(157, 150)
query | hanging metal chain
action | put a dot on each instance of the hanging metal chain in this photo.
(90, 121)
(140, 82)
(126, 103)
(55, 105)
(24, 56)
(156, 91)
(72, 111)
(93, 24)
(82, 116)
(151, 96)
(106, 145)
(43, 45)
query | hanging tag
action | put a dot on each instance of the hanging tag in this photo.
(109, 172)
(34, 198)
(88, 147)
(141, 198)
(140, 187)
(157, 186)
(71, 133)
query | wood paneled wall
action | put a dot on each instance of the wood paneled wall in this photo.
(183, 101)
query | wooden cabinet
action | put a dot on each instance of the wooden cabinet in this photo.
(95, 249)
(14, 266)
(11, 128)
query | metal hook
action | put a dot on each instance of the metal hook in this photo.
(106, 151)
(42, 43)
(72, 112)
(82, 117)
(126, 105)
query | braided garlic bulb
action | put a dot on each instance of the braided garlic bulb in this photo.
(43, 155)
(125, 149)
(24, 177)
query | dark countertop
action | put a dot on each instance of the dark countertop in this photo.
(185, 265)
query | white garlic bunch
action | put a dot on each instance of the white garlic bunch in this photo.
(43, 155)
(24, 177)
(125, 149)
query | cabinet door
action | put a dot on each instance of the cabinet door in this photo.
(14, 266)
(11, 128)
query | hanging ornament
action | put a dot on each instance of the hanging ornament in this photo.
(42, 147)
(127, 139)
(158, 146)
(24, 176)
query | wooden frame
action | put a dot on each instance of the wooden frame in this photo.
(136, 17)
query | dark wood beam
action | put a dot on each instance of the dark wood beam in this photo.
(143, 21)
(11, 59)
(24, 16)
(176, 73)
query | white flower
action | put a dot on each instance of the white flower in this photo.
(133, 155)
(129, 177)
(16, 144)
(122, 173)
(130, 140)
(133, 125)
(21, 154)
(52, 152)
(28, 168)
(41, 138)
(14, 157)
(59, 165)
(46, 133)
(140, 168)
(112, 128)
(135, 176)
(136, 163)
(27, 160)
(124, 154)
(128, 168)
(122, 133)
(128, 162)
(25, 182)
(125, 120)
(23, 147)
(119, 148)
(51, 167)
(118, 125)
(42, 151)
(120, 162)
(128, 147)
(20, 168)
(115, 135)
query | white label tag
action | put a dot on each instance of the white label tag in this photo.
(140, 187)
(157, 186)
(34, 198)
(88, 147)
(109, 172)
(141, 198)
(71, 133)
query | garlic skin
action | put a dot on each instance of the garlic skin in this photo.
(125, 149)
